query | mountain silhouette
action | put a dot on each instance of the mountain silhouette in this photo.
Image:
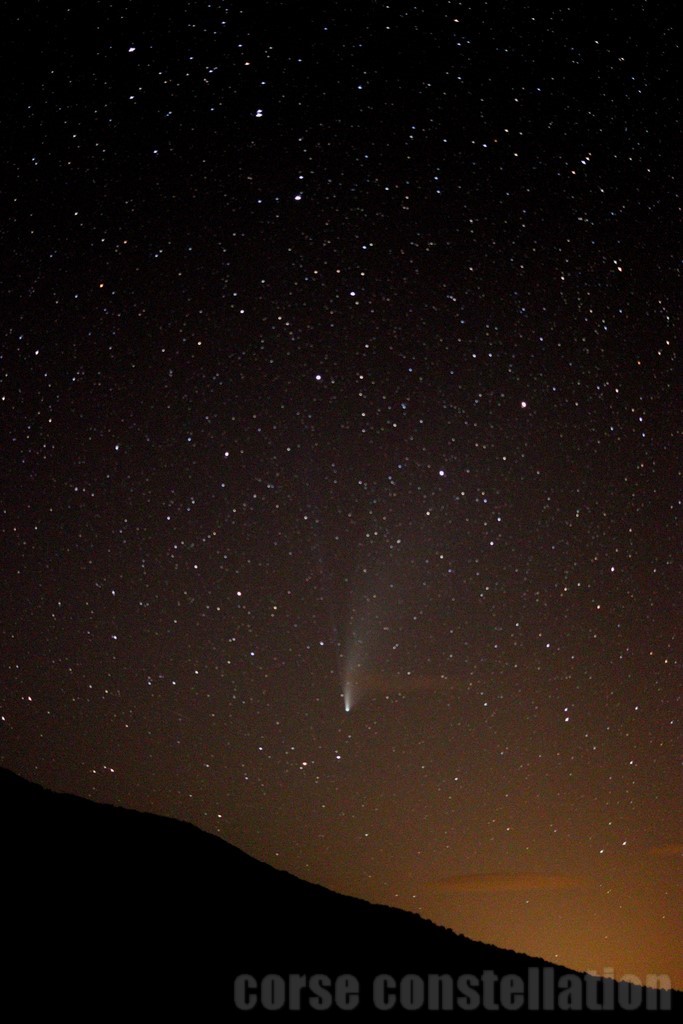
(108, 911)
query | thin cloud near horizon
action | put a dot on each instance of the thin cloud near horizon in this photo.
(507, 881)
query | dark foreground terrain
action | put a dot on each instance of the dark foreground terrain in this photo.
(108, 912)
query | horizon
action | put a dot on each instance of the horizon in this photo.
(489, 985)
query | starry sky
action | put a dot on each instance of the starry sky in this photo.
(340, 411)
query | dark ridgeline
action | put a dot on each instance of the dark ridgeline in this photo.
(109, 911)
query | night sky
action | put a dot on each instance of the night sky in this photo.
(340, 410)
